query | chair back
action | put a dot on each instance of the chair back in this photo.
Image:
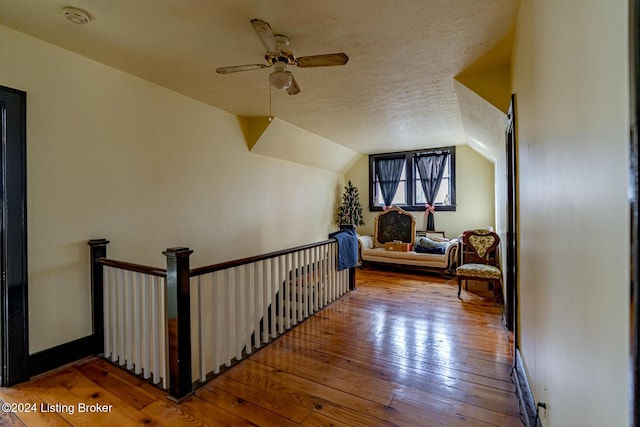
(479, 247)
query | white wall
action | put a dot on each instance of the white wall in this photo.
(110, 155)
(475, 196)
(570, 76)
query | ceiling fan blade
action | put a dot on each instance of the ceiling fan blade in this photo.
(263, 30)
(322, 60)
(294, 89)
(235, 69)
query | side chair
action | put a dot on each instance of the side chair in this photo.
(479, 260)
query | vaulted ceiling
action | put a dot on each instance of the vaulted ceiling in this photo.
(421, 73)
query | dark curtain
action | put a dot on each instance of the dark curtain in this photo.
(431, 169)
(389, 172)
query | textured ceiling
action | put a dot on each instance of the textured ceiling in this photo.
(397, 91)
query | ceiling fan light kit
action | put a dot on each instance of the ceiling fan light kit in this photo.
(280, 78)
(279, 58)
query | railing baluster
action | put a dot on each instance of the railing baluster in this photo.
(299, 285)
(288, 277)
(217, 305)
(120, 318)
(267, 299)
(275, 295)
(163, 335)
(128, 314)
(229, 315)
(155, 333)
(249, 303)
(203, 322)
(106, 291)
(240, 311)
(137, 339)
(305, 284)
(258, 287)
(146, 312)
(316, 278)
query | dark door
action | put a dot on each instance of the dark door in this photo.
(13, 237)
(511, 274)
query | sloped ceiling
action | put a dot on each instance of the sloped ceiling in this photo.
(398, 91)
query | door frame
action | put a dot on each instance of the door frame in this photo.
(13, 237)
(511, 272)
(634, 198)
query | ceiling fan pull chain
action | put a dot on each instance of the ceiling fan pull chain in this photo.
(270, 116)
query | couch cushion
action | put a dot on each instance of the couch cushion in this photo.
(381, 252)
(404, 258)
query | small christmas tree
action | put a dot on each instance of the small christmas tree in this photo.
(350, 212)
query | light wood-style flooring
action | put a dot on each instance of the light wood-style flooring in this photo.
(400, 350)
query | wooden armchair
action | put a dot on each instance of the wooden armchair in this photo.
(479, 261)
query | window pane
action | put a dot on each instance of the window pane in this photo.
(400, 198)
(420, 197)
(442, 198)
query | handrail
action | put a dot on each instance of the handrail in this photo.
(198, 271)
(235, 263)
(129, 266)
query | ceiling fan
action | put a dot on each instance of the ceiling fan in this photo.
(278, 56)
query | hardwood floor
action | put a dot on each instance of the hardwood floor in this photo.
(400, 350)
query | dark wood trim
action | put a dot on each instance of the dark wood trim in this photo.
(524, 392)
(98, 250)
(235, 263)
(634, 199)
(179, 322)
(511, 266)
(60, 355)
(410, 179)
(129, 266)
(15, 325)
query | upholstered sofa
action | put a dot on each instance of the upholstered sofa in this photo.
(396, 225)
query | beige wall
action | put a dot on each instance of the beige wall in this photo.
(570, 76)
(474, 195)
(110, 155)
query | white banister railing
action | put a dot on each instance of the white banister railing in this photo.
(240, 308)
(179, 326)
(135, 322)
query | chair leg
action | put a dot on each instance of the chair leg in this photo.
(459, 286)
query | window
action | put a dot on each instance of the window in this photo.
(409, 194)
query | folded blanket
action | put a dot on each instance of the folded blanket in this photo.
(433, 250)
(427, 242)
(347, 248)
(430, 246)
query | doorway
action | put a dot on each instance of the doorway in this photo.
(14, 342)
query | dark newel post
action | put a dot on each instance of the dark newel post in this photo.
(98, 250)
(179, 322)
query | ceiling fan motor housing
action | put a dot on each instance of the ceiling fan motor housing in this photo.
(281, 56)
